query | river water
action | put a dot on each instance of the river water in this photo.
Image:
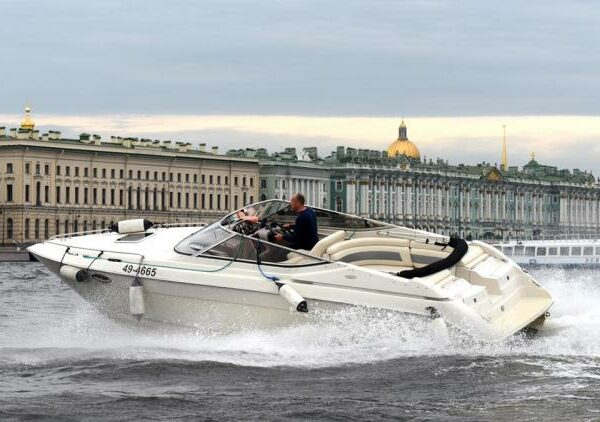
(60, 359)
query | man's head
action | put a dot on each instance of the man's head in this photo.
(297, 202)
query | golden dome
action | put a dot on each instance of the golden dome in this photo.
(403, 146)
(27, 122)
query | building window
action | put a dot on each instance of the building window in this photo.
(210, 201)
(9, 168)
(67, 171)
(26, 193)
(121, 174)
(263, 197)
(26, 228)
(155, 175)
(263, 183)
(76, 171)
(170, 199)
(58, 194)
(283, 184)
(235, 202)
(203, 179)
(46, 229)
(130, 174)
(112, 197)
(170, 177)
(251, 181)
(338, 204)
(85, 227)
(9, 228)
(245, 199)
(178, 199)
(37, 170)
(103, 196)
(195, 201)
(95, 172)
(9, 193)
(58, 170)
(27, 168)
(85, 195)
(187, 200)
(195, 178)
(138, 201)
(338, 185)
(120, 197)
(203, 201)
(36, 228)
(244, 181)
(85, 172)
(68, 195)
(226, 202)
(187, 178)
(210, 180)
(95, 196)
(218, 202)
(66, 226)
(46, 194)
(178, 177)
(38, 194)
(94, 225)
(147, 175)
(139, 174)
(164, 176)
(46, 172)
(235, 182)
(112, 173)
(76, 195)
(251, 199)
(226, 180)
(218, 180)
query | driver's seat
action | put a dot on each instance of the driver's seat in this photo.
(320, 247)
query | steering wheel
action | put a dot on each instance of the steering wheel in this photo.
(245, 227)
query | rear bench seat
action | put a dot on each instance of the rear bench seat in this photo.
(372, 251)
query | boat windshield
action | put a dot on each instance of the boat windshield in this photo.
(203, 239)
(279, 211)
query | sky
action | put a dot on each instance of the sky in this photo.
(300, 73)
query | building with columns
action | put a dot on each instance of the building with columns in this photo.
(51, 185)
(474, 201)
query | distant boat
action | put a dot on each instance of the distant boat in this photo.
(559, 252)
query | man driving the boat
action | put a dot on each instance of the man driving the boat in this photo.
(304, 234)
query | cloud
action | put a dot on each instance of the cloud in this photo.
(352, 58)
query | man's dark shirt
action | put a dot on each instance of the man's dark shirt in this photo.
(305, 230)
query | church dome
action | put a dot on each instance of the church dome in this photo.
(27, 122)
(403, 146)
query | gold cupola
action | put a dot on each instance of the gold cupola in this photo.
(403, 146)
(27, 122)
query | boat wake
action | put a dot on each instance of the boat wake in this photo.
(66, 329)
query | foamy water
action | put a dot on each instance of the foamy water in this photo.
(50, 321)
(60, 358)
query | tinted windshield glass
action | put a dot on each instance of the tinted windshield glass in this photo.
(202, 239)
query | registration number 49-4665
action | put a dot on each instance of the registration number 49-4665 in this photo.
(144, 270)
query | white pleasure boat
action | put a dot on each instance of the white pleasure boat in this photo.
(228, 275)
(554, 252)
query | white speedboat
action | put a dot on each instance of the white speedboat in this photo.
(555, 252)
(228, 274)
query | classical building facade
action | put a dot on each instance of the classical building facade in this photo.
(50, 185)
(474, 201)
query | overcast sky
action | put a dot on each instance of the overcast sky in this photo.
(365, 61)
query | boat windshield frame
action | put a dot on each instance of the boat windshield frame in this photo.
(273, 207)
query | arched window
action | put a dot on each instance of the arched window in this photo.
(46, 229)
(94, 225)
(263, 197)
(75, 226)
(85, 225)
(67, 226)
(26, 228)
(338, 204)
(36, 228)
(9, 228)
